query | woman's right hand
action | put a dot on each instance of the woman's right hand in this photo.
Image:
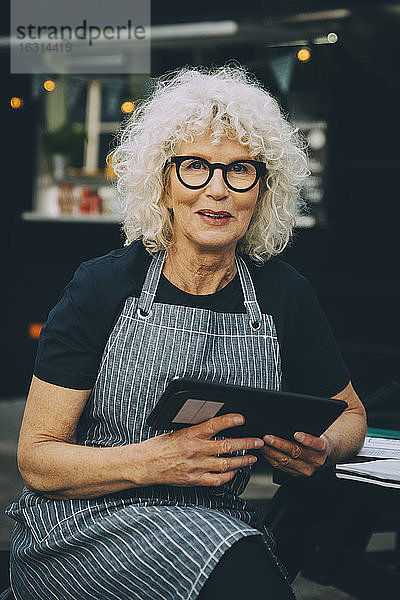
(189, 457)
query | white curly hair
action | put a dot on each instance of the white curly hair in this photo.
(219, 101)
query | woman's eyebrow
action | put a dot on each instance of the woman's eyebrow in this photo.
(208, 157)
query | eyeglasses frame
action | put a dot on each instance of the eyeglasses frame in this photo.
(261, 169)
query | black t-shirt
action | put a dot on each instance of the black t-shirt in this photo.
(76, 331)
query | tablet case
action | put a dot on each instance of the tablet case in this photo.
(190, 401)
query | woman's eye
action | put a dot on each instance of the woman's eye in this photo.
(196, 164)
(239, 168)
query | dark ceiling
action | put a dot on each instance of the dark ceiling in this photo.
(184, 11)
(289, 14)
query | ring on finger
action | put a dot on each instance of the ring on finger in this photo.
(296, 452)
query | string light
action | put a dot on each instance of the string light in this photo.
(49, 85)
(127, 107)
(304, 54)
(332, 37)
(16, 102)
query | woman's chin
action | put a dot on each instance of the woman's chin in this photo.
(215, 241)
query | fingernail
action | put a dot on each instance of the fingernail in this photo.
(269, 440)
(252, 459)
(299, 437)
(258, 443)
(239, 420)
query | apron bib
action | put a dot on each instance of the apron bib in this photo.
(152, 343)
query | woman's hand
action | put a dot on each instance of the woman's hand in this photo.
(307, 453)
(302, 458)
(189, 457)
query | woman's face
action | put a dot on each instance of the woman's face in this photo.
(192, 227)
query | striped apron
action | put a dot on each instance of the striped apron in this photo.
(159, 542)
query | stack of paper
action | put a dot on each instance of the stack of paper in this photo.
(379, 472)
(377, 445)
(380, 448)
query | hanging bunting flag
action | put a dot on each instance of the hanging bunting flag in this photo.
(282, 68)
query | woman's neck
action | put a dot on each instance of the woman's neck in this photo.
(197, 273)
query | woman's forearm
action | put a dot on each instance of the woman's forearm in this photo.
(187, 457)
(62, 470)
(50, 460)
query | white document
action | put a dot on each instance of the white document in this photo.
(379, 472)
(375, 447)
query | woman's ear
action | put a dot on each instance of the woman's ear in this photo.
(167, 200)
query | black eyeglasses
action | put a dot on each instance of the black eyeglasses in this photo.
(240, 175)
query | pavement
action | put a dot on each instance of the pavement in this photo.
(259, 487)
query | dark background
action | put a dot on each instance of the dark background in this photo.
(352, 259)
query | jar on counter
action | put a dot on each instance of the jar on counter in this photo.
(110, 204)
(65, 197)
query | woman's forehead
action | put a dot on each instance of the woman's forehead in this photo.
(201, 146)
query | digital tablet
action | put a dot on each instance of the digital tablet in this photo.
(190, 401)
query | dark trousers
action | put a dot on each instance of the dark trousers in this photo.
(246, 571)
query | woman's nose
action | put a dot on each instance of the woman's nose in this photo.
(217, 187)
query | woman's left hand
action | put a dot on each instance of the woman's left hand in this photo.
(301, 457)
(307, 453)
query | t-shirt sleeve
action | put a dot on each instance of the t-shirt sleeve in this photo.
(312, 361)
(73, 338)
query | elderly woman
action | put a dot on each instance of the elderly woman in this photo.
(210, 172)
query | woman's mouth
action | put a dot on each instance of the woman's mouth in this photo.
(214, 218)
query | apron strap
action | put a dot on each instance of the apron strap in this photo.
(153, 275)
(249, 293)
(150, 285)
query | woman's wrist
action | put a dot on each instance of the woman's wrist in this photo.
(134, 469)
(331, 451)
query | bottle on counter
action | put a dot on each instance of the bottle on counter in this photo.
(47, 203)
(84, 202)
(95, 202)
